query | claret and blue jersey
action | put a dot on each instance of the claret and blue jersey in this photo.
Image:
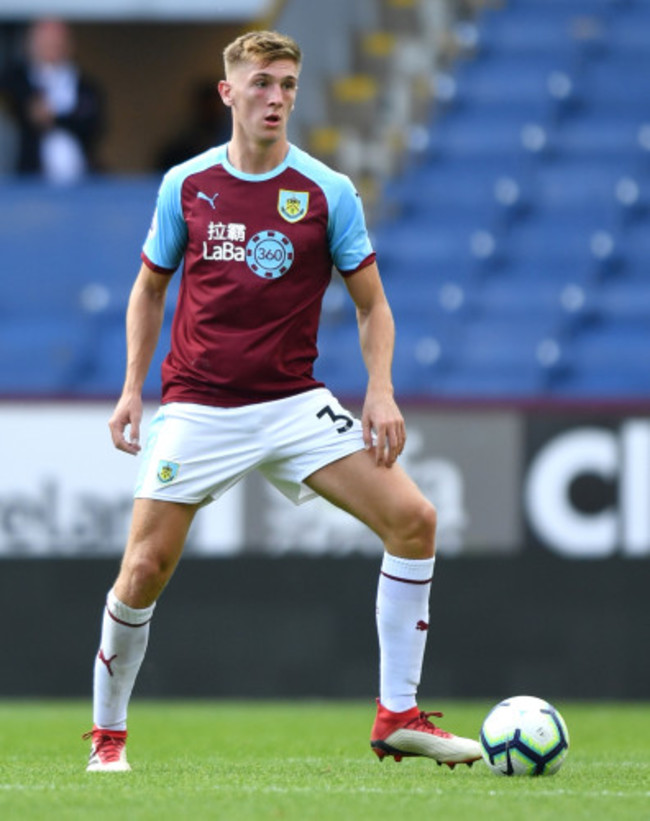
(257, 253)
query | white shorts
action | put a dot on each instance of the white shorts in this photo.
(194, 453)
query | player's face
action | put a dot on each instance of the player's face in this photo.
(262, 97)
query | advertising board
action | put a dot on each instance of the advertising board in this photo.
(575, 485)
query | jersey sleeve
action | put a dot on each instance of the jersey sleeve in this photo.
(350, 244)
(165, 243)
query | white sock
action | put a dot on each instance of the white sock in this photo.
(125, 633)
(402, 626)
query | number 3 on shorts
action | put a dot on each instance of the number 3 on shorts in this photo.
(344, 419)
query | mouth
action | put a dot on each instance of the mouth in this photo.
(272, 119)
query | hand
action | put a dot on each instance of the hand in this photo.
(382, 417)
(128, 412)
(40, 113)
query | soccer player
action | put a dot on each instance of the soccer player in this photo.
(259, 224)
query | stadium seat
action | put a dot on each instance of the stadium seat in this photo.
(46, 357)
(610, 358)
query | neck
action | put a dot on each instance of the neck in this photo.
(256, 158)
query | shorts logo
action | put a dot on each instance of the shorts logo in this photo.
(269, 254)
(167, 471)
(293, 205)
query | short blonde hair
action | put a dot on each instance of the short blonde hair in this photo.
(261, 46)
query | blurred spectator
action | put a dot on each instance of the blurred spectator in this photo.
(8, 142)
(57, 109)
(208, 125)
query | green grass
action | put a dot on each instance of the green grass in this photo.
(306, 760)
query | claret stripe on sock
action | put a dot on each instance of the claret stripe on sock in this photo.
(126, 623)
(407, 581)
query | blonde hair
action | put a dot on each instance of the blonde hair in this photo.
(262, 46)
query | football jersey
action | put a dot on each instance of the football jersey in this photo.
(257, 253)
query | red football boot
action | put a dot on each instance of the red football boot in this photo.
(412, 734)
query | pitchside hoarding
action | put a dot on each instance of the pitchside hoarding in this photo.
(586, 491)
(502, 480)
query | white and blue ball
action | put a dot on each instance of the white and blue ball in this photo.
(524, 735)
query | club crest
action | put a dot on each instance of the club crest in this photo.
(167, 471)
(293, 205)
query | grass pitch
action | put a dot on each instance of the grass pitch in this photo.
(306, 760)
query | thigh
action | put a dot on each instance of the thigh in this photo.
(385, 499)
(155, 544)
(194, 453)
(305, 433)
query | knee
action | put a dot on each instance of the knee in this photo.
(414, 535)
(142, 579)
(425, 523)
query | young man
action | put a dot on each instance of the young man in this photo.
(259, 224)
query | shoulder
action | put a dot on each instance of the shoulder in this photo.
(175, 178)
(333, 183)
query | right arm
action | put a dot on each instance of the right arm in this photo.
(144, 318)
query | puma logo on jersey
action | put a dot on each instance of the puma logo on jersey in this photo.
(211, 199)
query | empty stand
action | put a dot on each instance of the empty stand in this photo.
(553, 104)
(514, 244)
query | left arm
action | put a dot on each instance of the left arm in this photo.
(377, 337)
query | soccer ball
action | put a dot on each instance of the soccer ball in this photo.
(524, 735)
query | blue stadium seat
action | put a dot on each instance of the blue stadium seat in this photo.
(618, 82)
(534, 25)
(610, 358)
(581, 181)
(340, 362)
(628, 30)
(43, 357)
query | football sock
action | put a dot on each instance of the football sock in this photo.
(125, 633)
(402, 625)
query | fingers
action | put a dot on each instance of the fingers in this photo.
(134, 435)
(396, 442)
(130, 445)
(382, 447)
(367, 432)
(118, 425)
(390, 441)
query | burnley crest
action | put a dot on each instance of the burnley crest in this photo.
(293, 205)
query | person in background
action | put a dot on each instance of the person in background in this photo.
(58, 110)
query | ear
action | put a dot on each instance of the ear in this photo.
(225, 92)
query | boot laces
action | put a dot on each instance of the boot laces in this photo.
(423, 724)
(105, 744)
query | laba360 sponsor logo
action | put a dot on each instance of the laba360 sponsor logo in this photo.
(224, 252)
(268, 254)
(223, 240)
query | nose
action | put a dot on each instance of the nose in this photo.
(275, 94)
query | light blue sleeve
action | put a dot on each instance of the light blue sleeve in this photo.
(347, 234)
(165, 243)
(349, 241)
